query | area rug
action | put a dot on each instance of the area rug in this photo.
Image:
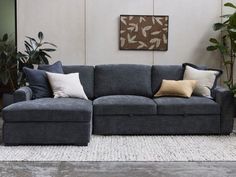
(131, 148)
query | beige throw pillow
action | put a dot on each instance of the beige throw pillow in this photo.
(182, 88)
(66, 85)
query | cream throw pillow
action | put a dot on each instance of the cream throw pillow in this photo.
(182, 88)
(205, 80)
(66, 85)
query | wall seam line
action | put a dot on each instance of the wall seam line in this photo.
(17, 24)
(221, 20)
(153, 12)
(85, 33)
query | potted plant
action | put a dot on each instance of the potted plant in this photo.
(11, 62)
(36, 52)
(8, 68)
(226, 45)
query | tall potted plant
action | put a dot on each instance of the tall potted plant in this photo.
(36, 52)
(11, 63)
(8, 68)
(226, 45)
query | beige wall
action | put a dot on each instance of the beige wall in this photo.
(86, 31)
(61, 21)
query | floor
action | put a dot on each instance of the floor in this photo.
(115, 169)
(118, 169)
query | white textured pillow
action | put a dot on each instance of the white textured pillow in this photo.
(66, 85)
(205, 80)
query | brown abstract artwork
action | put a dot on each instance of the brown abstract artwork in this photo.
(144, 32)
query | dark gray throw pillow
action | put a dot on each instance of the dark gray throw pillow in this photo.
(38, 80)
(38, 83)
(55, 68)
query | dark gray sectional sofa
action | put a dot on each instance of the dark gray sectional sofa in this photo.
(121, 103)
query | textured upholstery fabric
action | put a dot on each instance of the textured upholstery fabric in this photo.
(86, 74)
(190, 106)
(124, 105)
(226, 101)
(156, 125)
(38, 82)
(46, 133)
(66, 85)
(205, 68)
(122, 80)
(205, 80)
(49, 110)
(167, 72)
(56, 67)
(22, 94)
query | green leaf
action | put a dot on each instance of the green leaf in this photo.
(227, 21)
(212, 48)
(5, 76)
(225, 16)
(44, 53)
(27, 48)
(3, 56)
(228, 4)
(50, 44)
(228, 62)
(48, 50)
(213, 40)
(5, 37)
(223, 49)
(44, 60)
(233, 30)
(232, 21)
(28, 44)
(20, 55)
(30, 38)
(218, 26)
(40, 36)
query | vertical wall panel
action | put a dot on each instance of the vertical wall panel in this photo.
(62, 22)
(102, 31)
(189, 31)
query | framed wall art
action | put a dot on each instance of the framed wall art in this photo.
(144, 32)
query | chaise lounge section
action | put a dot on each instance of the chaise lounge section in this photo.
(121, 103)
(49, 121)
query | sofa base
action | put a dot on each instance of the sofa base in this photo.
(157, 125)
(46, 133)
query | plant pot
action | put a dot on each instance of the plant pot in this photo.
(7, 99)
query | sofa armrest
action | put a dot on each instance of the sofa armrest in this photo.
(22, 94)
(225, 99)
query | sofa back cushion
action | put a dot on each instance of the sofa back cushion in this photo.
(86, 74)
(123, 79)
(167, 72)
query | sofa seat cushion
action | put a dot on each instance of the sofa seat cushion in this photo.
(49, 110)
(186, 106)
(124, 105)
